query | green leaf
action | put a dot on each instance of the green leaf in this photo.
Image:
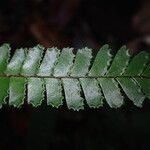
(82, 62)
(35, 91)
(145, 82)
(4, 57)
(72, 93)
(145, 86)
(65, 61)
(48, 62)
(130, 87)
(54, 92)
(92, 92)
(4, 86)
(111, 92)
(31, 63)
(147, 71)
(31, 73)
(109, 85)
(132, 90)
(15, 65)
(101, 62)
(137, 64)
(17, 91)
(119, 63)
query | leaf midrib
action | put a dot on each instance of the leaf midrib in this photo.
(74, 77)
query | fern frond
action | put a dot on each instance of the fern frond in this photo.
(34, 72)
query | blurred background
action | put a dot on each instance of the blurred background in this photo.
(76, 23)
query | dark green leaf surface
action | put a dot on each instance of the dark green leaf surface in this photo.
(101, 62)
(110, 86)
(119, 63)
(130, 87)
(65, 62)
(132, 90)
(145, 82)
(82, 62)
(4, 57)
(147, 71)
(145, 86)
(137, 64)
(4, 86)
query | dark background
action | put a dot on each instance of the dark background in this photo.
(76, 23)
